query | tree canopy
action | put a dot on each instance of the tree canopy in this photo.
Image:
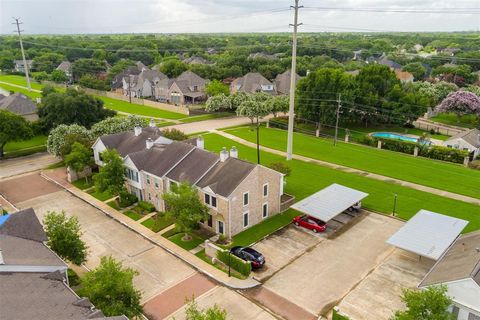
(216, 87)
(429, 304)
(461, 103)
(111, 176)
(79, 158)
(13, 128)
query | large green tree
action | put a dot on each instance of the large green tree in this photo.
(193, 312)
(72, 107)
(110, 288)
(173, 67)
(61, 139)
(79, 158)
(183, 203)
(111, 176)
(87, 66)
(417, 69)
(216, 87)
(429, 304)
(47, 62)
(13, 128)
(64, 237)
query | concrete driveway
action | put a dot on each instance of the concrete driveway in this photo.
(282, 248)
(158, 270)
(319, 279)
(378, 295)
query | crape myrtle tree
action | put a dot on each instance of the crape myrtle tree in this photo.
(256, 107)
(111, 176)
(13, 128)
(116, 125)
(79, 158)
(110, 288)
(64, 237)
(184, 204)
(460, 103)
(61, 139)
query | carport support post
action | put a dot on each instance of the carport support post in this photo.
(394, 204)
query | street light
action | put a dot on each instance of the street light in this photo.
(394, 204)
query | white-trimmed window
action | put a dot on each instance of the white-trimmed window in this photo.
(211, 200)
(265, 190)
(156, 183)
(148, 179)
(265, 210)
(245, 219)
(245, 199)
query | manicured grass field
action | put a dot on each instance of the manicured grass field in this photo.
(19, 145)
(468, 121)
(133, 215)
(114, 204)
(157, 223)
(187, 245)
(307, 178)
(31, 94)
(209, 116)
(437, 174)
(20, 81)
(102, 196)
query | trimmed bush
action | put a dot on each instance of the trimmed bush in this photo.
(445, 154)
(236, 263)
(475, 164)
(146, 206)
(174, 134)
(126, 199)
(281, 167)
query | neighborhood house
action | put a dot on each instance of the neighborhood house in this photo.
(466, 140)
(239, 194)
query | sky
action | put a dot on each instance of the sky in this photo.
(196, 16)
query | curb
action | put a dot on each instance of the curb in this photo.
(208, 274)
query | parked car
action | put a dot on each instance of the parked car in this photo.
(314, 224)
(248, 254)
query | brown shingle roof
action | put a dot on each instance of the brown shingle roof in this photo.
(19, 104)
(282, 81)
(127, 142)
(191, 78)
(460, 261)
(158, 160)
(225, 176)
(251, 82)
(24, 224)
(193, 166)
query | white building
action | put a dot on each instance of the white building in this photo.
(466, 140)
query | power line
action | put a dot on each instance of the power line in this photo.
(469, 11)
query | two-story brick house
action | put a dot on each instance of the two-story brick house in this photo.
(239, 194)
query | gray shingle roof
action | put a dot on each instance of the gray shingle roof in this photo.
(225, 176)
(24, 224)
(192, 79)
(117, 80)
(158, 160)
(18, 104)
(127, 142)
(471, 136)
(193, 166)
(282, 81)
(23, 252)
(460, 261)
(251, 82)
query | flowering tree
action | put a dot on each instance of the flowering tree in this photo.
(461, 103)
(217, 102)
(115, 125)
(61, 138)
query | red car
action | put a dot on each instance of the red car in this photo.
(314, 224)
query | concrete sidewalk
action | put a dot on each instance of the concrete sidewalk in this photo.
(367, 174)
(56, 176)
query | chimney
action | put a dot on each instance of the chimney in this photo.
(223, 154)
(234, 152)
(152, 124)
(149, 143)
(200, 142)
(137, 130)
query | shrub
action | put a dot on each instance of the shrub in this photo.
(281, 167)
(126, 199)
(446, 154)
(475, 164)
(147, 206)
(174, 134)
(236, 263)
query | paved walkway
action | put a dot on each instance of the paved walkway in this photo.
(375, 176)
(174, 298)
(58, 177)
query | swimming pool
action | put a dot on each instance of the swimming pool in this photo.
(394, 136)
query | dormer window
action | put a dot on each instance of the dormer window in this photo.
(211, 200)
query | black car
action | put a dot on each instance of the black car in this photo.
(249, 254)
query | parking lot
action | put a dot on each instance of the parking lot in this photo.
(329, 269)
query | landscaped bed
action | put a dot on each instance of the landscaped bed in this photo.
(158, 222)
(132, 215)
(82, 184)
(234, 273)
(195, 240)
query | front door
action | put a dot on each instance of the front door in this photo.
(210, 221)
(221, 227)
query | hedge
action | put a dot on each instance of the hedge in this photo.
(126, 199)
(236, 263)
(433, 152)
(147, 206)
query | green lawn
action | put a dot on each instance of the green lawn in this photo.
(30, 143)
(307, 178)
(187, 245)
(31, 94)
(20, 81)
(114, 204)
(158, 223)
(437, 174)
(102, 196)
(133, 215)
(468, 121)
(82, 184)
(125, 106)
(209, 116)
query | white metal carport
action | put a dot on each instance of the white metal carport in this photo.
(428, 234)
(329, 202)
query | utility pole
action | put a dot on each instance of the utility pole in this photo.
(339, 105)
(291, 108)
(25, 66)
